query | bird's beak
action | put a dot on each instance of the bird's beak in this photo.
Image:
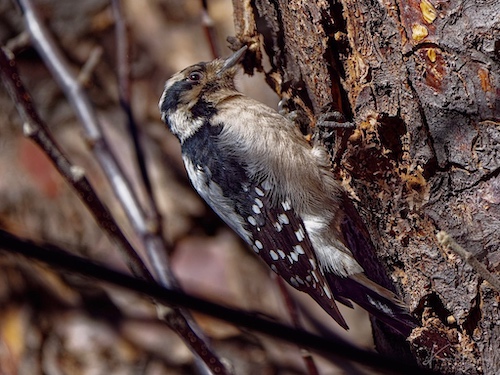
(232, 60)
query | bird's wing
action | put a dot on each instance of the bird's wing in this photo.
(278, 236)
(269, 225)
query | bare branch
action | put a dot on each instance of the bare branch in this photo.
(208, 26)
(122, 51)
(18, 42)
(331, 347)
(123, 61)
(90, 64)
(312, 369)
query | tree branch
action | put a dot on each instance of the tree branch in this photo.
(124, 86)
(331, 347)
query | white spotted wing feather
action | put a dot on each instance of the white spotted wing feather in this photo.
(278, 236)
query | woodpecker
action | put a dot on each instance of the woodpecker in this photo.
(257, 171)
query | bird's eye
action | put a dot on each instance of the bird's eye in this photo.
(195, 76)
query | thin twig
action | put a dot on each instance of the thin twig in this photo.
(312, 369)
(90, 64)
(446, 240)
(154, 244)
(125, 90)
(210, 33)
(122, 51)
(329, 346)
(19, 42)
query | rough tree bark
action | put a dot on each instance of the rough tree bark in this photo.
(421, 81)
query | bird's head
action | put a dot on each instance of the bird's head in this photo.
(191, 95)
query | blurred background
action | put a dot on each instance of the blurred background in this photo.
(56, 323)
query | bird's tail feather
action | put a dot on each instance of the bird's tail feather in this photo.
(378, 301)
(332, 309)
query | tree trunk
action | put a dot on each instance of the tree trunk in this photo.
(421, 81)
